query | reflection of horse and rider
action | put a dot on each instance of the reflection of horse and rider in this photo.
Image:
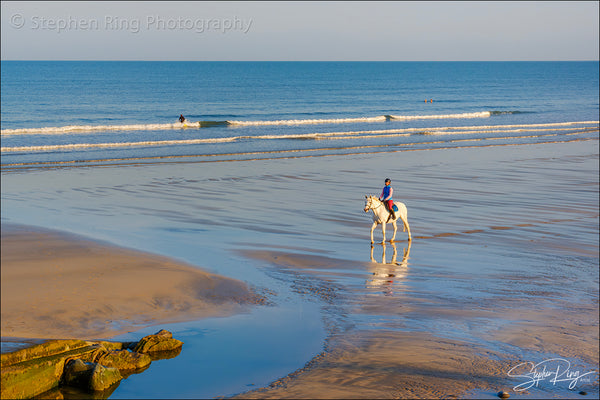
(386, 274)
(384, 211)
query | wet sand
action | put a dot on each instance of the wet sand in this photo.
(502, 268)
(56, 285)
(392, 365)
(386, 356)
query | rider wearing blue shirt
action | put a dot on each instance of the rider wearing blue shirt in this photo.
(386, 197)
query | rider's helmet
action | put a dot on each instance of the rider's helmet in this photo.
(388, 180)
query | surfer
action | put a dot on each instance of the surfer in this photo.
(181, 118)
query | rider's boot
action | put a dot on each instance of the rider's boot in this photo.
(392, 215)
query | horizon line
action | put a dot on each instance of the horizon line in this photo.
(147, 60)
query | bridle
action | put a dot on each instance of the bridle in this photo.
(371, 204)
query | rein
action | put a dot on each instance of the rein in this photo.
(380, 204)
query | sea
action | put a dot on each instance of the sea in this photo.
(265, 182)
(111, 112)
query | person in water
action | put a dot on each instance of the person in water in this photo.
(386, 198)
(181, 118)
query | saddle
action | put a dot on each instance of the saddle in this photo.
(394, 207)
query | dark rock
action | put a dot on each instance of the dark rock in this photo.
(48, 348)
(160, 341)
(164, 333)
(103, 378)
(96, 366)
(124, 360)
(90, 376)
(77, 373)
(31, 371)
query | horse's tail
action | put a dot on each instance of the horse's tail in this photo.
(404, 217)
(407, 228)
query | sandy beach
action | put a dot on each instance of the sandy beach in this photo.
(502, 269)
(56, 285)
(386, 359)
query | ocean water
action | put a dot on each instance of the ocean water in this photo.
(56, 113)
(509, 233)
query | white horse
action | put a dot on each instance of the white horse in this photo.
(381, 215)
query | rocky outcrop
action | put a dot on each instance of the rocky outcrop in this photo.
(91, 366)
(89, 376)
(124, 360)
(30, 371)
(159, 342)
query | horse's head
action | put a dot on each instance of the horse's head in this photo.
(369, 203)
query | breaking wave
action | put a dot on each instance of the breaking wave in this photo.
(485, 132)
(206, 124)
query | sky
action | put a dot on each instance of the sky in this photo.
(300, 31)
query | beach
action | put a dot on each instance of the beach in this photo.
(60, 286)
(502, 269)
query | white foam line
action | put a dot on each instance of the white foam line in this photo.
(215, 157)
(522, 129)
(481, 114)
(317, 136)
(178, 125)
(441, 130)
(109, 145)
(381, 118)
(53, 130)
(382, 135)
(523, 125)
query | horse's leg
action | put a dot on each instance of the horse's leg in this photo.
(372, 229)
(383, 231)
(395, 230)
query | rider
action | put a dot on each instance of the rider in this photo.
(181, 118)
(386, 197)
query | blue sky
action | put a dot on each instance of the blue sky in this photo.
(394, 31)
